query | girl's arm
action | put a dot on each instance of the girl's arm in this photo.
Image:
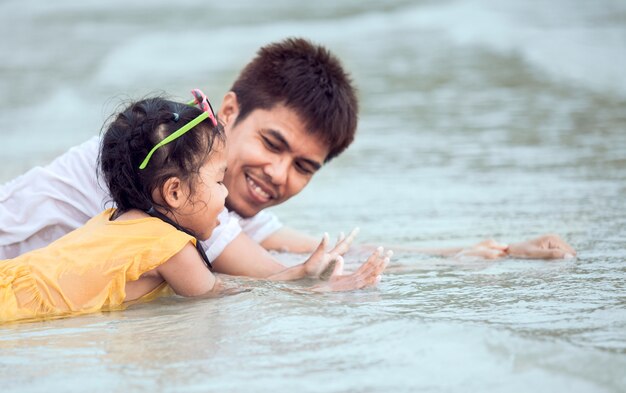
(244, 257)
(187, 274)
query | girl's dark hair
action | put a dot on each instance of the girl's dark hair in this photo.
(132, 134)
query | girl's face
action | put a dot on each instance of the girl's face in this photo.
(200, 210)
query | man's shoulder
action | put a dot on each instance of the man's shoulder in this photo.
(260, 226)
(71, 180)
(86, 152)
(261, 216)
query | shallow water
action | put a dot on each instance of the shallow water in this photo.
(478, 120)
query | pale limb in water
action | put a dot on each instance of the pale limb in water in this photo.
(542, 247)
(487, 249)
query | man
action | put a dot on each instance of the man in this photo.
(291, 110)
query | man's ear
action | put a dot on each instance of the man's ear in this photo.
(173, 193)
(229, 110)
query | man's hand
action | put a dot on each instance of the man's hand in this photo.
(367, 275)
(543, 247)
(487, 249)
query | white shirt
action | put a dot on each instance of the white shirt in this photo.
(45, 203)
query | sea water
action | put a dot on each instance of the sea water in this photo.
(479, 119)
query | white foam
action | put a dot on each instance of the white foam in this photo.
(565, 40)
(569, 43)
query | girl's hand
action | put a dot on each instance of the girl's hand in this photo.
(319, 261)
(367, 275)
(487, 249)
(343, 243)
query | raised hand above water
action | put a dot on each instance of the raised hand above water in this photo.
(319, 261)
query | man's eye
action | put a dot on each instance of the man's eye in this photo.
(270, 145)
(303, 169)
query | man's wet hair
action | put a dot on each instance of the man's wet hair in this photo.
(307, 79)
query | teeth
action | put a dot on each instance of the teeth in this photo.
(258, 189)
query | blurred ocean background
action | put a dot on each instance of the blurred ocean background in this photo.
(480, 119)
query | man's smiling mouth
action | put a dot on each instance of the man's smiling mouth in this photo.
(259, 190)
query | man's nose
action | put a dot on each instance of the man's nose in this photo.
(278, 171)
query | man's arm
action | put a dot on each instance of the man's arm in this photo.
(47, 202)
(245, 257)
(542, 247)
(290, 240)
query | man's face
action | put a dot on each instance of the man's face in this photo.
(270, 159)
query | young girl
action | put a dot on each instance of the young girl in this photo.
(163, 163)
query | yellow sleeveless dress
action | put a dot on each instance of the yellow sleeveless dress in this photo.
(87, 269)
